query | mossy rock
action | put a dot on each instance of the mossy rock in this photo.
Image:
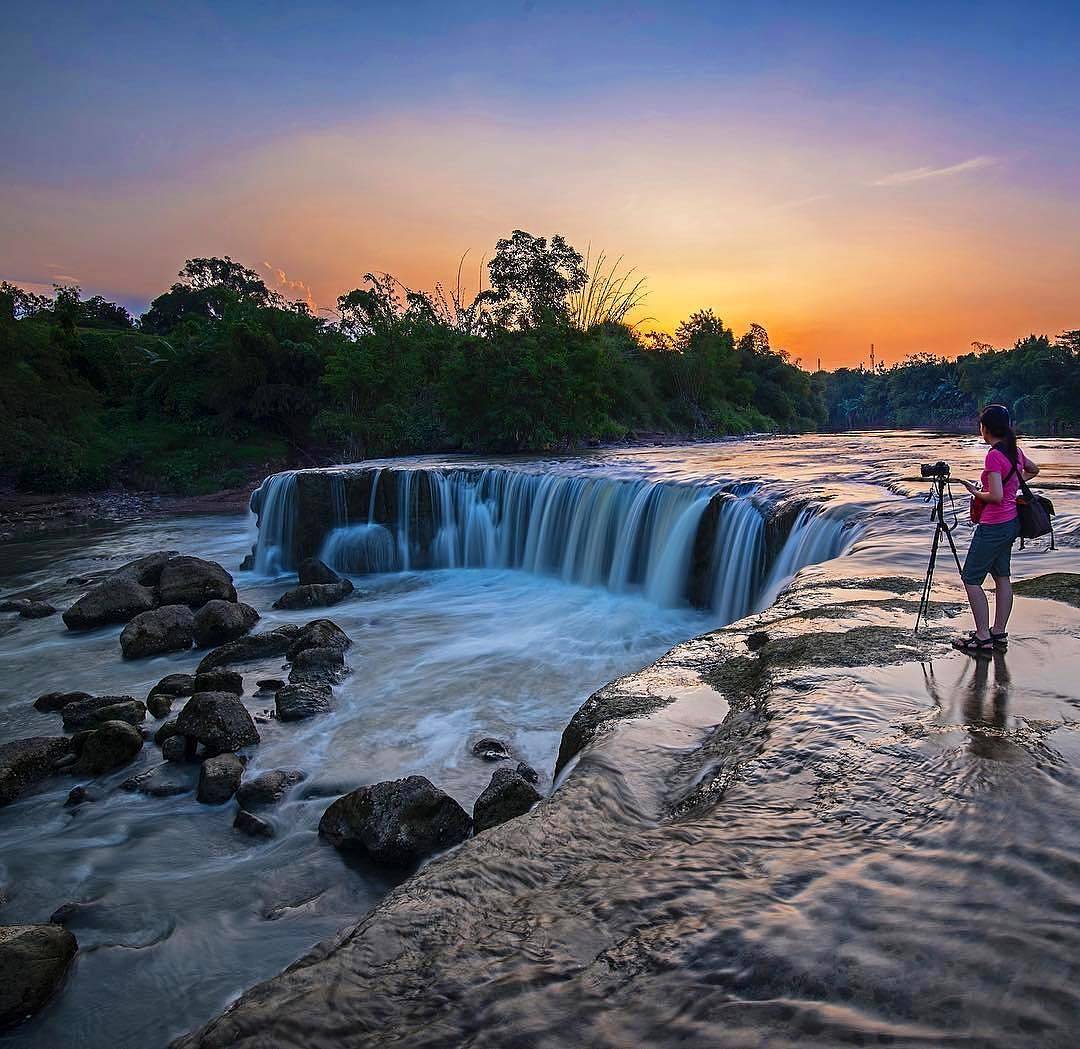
(1055, 586)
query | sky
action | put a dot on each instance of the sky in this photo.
(906, 175)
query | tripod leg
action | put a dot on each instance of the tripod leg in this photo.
(928, 583)
(952, 546)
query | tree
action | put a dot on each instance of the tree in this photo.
(532, 281)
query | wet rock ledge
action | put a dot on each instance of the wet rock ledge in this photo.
(506, 930)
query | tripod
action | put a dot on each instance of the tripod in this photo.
(937, 497)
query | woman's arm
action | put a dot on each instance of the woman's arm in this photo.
(994, 493)
(1031, 469)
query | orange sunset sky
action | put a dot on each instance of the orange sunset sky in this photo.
(842, 179)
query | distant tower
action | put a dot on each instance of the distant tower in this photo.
(871, 356)
(819, 364)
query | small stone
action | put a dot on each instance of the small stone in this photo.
(491, 749)
(269, 684)
(37, 610)
(219, 778)
(527, 772)
(26, 762)
(252, 825)
(175, 749)
(165, 731)
(78, 796)
(315, 595)
(165, 781)
(160, 705)
(53, 701)
(15, 604)
(313, 571)
(268, 788)
(174, 685)
(506, 796)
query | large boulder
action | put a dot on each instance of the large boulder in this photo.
(93, 710)
(315, 595)
(170, 628)
(34, 960)
(53, 701)
(174, 685)
(319, 633)
(296, 702)
(217, 720)
(397, 822)
(193, 581)
(509, 794)
(107, 747)
(26, 762)
(312, 571)
(220, 681)
(117, 599)
(268, 788)
(269, 643)
(146, 569)
(218, 779)
(220, 621)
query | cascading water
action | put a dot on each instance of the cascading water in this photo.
(672, 542)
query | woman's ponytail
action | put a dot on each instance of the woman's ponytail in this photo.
(995, 417)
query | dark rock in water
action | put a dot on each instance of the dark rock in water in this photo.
(146, 569)
(108, 747)
(65, 913)
(165, 781)
(220, 681)
(313, 572)
(176, 749)
(270, 643)
(397, 822)
(219, 721)
(252, 825)
(319, 633)
(115, 600)
(53, 701)
(34, 960)
(296, 702)
(315, 595)
(757, 640)
(26, 762)
(220, 621)
(175, 685)
(509, 794)
(166, 731)
(77, 796)
(528, 772)
(269, 684)
(318, 666)
(192, 581)
(491, 749)
(268, 788)
(15, 604)
(218, 779)
(159, 704)
(93, 710)
(170, 628)
(37, 610)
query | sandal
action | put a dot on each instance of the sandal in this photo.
(1001, 641)
(972, 643)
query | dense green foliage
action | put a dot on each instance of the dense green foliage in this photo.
(221, 378)
(1037, 379)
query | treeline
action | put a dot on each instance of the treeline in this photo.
(1038, 379)
(222, 377)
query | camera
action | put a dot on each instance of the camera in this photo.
(938, 469)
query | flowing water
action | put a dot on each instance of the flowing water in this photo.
(531, 584)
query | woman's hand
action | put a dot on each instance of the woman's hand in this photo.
(969, 485)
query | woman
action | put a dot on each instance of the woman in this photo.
(994, 507)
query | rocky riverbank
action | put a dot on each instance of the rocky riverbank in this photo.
(739, 884)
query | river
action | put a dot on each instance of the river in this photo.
(541, 581)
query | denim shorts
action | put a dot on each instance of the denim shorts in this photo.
(990, 551)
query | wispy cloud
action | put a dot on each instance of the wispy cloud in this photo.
(292, 289)
(900, 178)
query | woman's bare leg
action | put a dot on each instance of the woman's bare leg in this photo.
(1003, 602)
(980, 609)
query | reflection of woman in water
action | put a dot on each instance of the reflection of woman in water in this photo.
(994, 508)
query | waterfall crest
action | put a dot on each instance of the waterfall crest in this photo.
(673, 542)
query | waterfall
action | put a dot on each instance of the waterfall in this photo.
(671, 542)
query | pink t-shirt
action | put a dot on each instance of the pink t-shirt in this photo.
(998, 462)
